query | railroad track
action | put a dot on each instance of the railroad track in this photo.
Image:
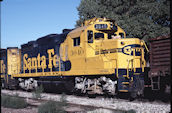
(100, 102)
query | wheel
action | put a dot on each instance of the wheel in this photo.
(133, 96)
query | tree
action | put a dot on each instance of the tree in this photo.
(139, 18)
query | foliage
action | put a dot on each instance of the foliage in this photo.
(37, 92)
(130, 111)
(53, 107)
(139, 18)
(63, 100)
(13, 102)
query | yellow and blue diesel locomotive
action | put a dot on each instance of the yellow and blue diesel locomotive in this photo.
(95, 58)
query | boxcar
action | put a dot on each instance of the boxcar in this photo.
(159, 74)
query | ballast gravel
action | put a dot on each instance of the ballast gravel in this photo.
(106, 103)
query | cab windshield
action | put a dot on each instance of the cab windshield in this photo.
(99, 36)
(109, 34)
(115, 35)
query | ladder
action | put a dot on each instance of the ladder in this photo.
(155, 83)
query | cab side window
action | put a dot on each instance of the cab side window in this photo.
(122, 35)
(90, 36)
(76, 41)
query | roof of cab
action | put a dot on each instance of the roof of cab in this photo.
(77, 32)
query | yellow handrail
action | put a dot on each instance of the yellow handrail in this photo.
(134, 54)
(143, 43)
(116, 68)
(59, 66)
(142, 60)
(128, 69)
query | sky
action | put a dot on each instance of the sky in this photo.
(26, 20)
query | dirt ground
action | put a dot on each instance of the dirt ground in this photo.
(24, 110)
(30, 109)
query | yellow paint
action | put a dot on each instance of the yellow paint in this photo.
(123, 90)
(13, 61)
(3, 67)
(34, 63)
(50, 52)
(40, 61)
(2, 76)
(125, 82)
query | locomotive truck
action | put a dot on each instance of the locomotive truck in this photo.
(95, 58)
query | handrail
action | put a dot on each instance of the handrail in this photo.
(116, 67)
(59, 66)
(128, 68)
(142, 54)
(134, 54)
(142, 59)
(141, 62)
(91, 46)
(143, 42)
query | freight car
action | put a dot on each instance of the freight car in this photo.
(157, 80)
(95, 58)
(10, 64)
(3, 60)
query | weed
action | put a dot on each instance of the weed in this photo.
(37, 92)
(63, 100)
(13, 102)
(53, 107)
(131, 111)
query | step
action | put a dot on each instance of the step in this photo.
(125, 82)
(123, 90)
(124, 75)
(136, 73)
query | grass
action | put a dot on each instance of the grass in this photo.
(53, 107)
(13, 102)
(37, 92)
(130, 111)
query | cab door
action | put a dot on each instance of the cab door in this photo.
(94, 60)
(90, 47)
(91, 59)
